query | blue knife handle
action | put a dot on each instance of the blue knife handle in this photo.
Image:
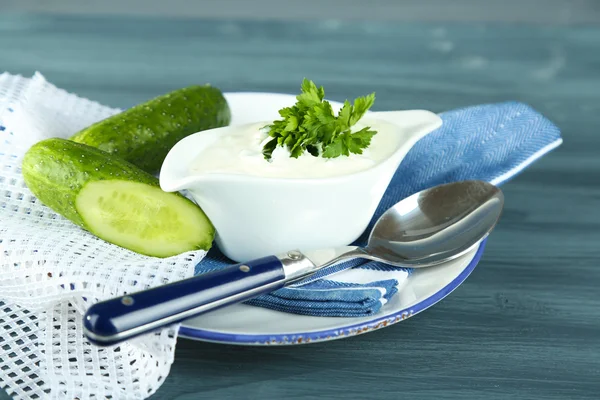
(115, 320)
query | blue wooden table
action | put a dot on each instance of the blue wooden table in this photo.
(526, 324)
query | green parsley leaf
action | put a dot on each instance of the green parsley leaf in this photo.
(310, 95)
(336, 148)
(344, 116)
(311, 125)
(347, 143)
(359, 140)
(361, 105)
(269, 148)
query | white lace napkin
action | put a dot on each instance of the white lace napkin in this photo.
(49, 268)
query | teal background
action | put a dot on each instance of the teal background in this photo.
(526, 324)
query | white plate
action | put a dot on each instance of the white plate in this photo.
(250, 325)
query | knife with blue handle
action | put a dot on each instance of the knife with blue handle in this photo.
(113, 321)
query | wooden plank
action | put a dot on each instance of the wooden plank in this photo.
(533, 11)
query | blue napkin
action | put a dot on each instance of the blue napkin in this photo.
(492, 142)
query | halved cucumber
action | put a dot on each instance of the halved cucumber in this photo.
(114, 199)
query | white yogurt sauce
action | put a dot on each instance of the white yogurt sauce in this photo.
(238, 150)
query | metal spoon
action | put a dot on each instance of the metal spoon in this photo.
(423, 230)
(430, 227)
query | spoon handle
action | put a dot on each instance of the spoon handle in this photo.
(115, 320)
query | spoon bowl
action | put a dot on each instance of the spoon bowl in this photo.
(436, 225)
(428, 228)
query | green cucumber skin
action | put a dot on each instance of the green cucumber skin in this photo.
(55, 170)
(144, 134)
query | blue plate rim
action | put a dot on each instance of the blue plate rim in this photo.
(338, 333)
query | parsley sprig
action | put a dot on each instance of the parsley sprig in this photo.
(310, 125)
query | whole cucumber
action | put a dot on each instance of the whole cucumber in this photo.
(114, 199)
(144, 134)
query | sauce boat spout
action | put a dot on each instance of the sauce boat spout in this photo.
(417, 123)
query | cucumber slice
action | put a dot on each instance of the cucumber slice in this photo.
(113, 199)
(144, 134)
(142, 218)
